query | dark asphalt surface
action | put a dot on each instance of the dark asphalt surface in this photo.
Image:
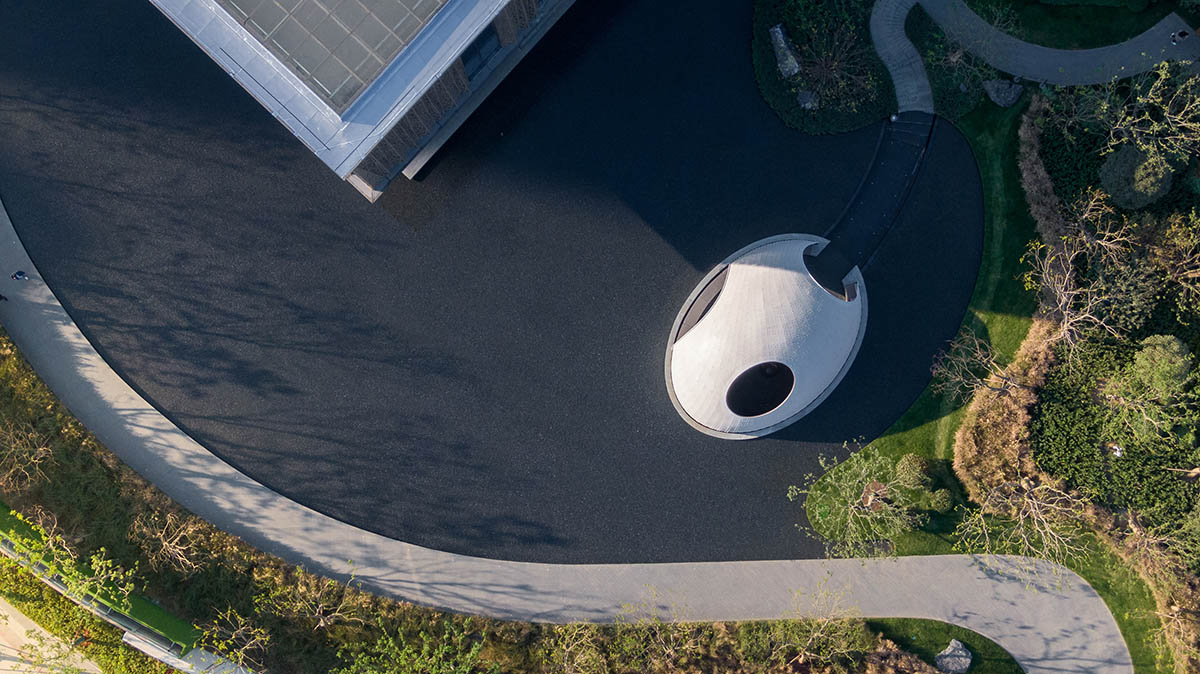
(474, 364)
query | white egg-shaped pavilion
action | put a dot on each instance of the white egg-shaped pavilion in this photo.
(760, 342)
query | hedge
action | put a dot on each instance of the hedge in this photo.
(64, 619)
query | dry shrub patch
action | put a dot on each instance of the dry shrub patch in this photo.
(889, 659)
(993, 445)
(1044, 204)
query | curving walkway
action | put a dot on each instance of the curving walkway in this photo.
(1013, 56)
(900, 56)
(1048, 629)
(1062, 66)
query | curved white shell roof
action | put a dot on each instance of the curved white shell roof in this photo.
(769, 309)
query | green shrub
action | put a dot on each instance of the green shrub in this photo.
(1162, 366)
(1134, 179)
(62, 618)
(1072, 161)
(1075, 435)
(1153, 398)
(941, 501)
(912, 471)
(455, 651)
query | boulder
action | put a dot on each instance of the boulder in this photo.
(785, 58)
(807, 100)
(956, 659)
(1003, 92)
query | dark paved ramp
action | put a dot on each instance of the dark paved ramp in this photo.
(476, 363)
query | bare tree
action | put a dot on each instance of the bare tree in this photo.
(1161, 115)
(235, 638)
(1027, 518)
(1177, 637)
(1107, 238)
(967, 365)
(168, 540)
(649, 638)
(966, 55)
(823, 632)
(836, 64)
(1189, 474)
(1093, 108)
(1148, 413)
(44, 654)
(47, 554)
(860, 504)
(1176, 253)
(24, 454)
(578, 649)
(1161, 552)
(1078, 305)
(1158, 112)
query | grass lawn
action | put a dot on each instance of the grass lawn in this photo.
(141, 609)
(1123, 591)
(1078, 26)
(1000, 308)
(927, 638)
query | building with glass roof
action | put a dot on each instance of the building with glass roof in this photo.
(372, 87)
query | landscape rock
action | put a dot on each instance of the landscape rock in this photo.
(956, 659)
(1003, 92)
(807, 100)
(785, 58)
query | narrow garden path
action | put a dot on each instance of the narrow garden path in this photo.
(15, 640)
(1059, 628)
(900, 56)
(1013, 56)
(1062, 66)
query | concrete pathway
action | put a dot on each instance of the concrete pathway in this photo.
(1062, 66)
(15, 639)
(1048, 630)
(900, 56)
(1010, 55)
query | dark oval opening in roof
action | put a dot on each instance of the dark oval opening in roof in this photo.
(760, 389)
